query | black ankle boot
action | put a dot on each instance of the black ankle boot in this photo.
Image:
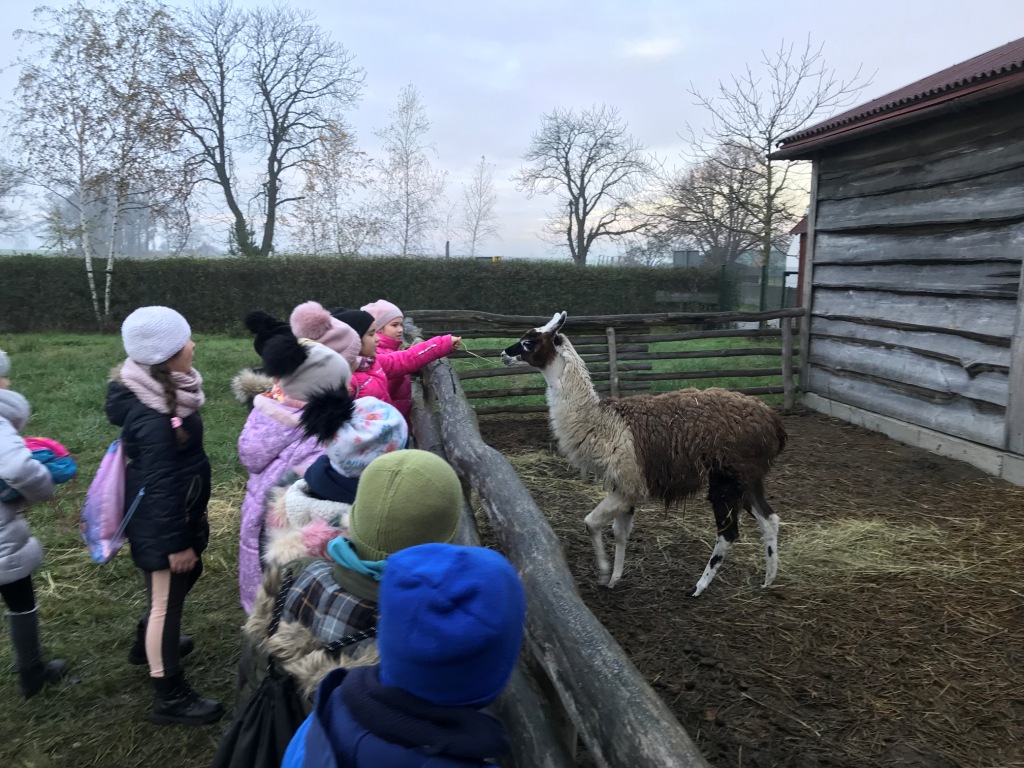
(33, 671)
(137, 653)
(176, 702)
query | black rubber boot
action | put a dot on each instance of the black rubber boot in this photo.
(33, 671)
(137, 653)
(177, 703)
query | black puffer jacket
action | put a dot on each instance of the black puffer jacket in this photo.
(172, 514)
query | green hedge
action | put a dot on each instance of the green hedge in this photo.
(45, 294)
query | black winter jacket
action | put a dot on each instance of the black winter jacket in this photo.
(172, 514)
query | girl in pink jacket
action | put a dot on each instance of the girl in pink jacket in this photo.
(373, 374)
(388, 321)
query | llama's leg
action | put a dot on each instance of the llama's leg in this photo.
(769, 523)
(725, 497)
(599, 518)
(621, 527)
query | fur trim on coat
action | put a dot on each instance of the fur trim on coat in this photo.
(298, 651)
(248, 383)
(298, 525)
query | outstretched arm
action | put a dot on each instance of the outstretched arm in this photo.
(406, 361)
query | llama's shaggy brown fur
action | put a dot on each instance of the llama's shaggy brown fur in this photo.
(680, 437)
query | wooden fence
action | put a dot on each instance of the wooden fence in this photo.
(576, 682)
(620, 350)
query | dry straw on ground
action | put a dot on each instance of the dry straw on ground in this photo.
(892, 636)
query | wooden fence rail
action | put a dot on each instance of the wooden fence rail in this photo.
(619, 717)
(618, 350)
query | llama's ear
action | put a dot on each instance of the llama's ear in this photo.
(553, 324)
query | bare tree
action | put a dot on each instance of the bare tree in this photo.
(329, 219)
(479, 220)
(267, 81)
(652, 249)
(88, 122)
(598, 172)
(753, 111)
(713, 205)
(410, 191)
(11, 183)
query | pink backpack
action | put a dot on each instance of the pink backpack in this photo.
(103, 520)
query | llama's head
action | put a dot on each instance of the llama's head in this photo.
(539, 346)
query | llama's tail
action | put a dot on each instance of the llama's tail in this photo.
(780, 434)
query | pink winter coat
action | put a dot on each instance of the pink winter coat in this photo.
(369, 380)
(271, 443)
(399, 363)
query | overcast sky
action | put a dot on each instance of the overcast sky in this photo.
(487, 70)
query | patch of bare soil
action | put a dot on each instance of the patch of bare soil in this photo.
(893, 635)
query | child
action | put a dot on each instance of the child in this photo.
(403, 498)
(353, 338)
(451, 624)
(272, 442)
(388, 320)
(20, 551)
(306, 515)
(154, 397)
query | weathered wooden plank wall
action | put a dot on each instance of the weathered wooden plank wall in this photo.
(916, 298)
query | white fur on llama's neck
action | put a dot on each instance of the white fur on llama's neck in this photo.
(592, 438)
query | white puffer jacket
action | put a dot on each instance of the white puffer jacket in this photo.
(20, 552)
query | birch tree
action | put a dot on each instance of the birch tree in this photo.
(596, 170)
(410, 190)
(11, 182)
(479, 220)
(88, 120)
(330, 218)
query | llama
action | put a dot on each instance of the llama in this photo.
(666, 446)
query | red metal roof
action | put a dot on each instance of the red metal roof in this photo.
(967, 76)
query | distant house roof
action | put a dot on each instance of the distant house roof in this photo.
(995, 73)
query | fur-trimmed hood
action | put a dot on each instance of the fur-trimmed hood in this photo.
(248, 383)
(298, 651)
(300, 525)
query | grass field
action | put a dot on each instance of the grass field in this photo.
(89, 611)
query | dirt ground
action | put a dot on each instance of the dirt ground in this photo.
(893, 635)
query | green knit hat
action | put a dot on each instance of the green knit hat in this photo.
(404, 498)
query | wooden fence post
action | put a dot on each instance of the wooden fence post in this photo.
(788, 388)
(613, 365)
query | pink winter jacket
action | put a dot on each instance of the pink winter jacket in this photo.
(399, 363)
(271, 443)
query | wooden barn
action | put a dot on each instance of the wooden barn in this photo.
(912, 272)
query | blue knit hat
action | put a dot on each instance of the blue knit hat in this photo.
(451, 623)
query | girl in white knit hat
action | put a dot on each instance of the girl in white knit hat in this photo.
(154, 397)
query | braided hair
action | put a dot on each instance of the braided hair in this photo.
(161, 372)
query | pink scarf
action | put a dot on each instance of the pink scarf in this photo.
(189, 386)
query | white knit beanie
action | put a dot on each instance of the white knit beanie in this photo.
(154, 335)
(324, 369)
(5, 364)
